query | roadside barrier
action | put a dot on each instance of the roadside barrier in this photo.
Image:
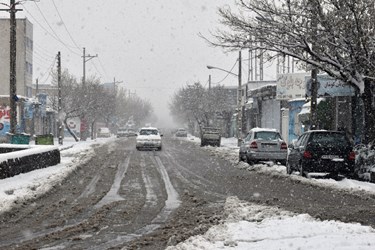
(17, 159)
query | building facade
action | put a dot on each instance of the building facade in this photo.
(24, 60)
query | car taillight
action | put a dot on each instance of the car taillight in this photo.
(351, 156)
(254, 145)
(307, 154)
(284, 146)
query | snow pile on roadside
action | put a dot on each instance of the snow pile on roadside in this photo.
(250, 226)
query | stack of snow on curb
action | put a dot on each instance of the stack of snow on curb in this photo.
(250, 226)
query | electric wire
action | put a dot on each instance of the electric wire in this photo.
(53, 31)
(58, 13)
(97, 71)
(101, 65)
(49, 33)
(227, 74)
(49, 71)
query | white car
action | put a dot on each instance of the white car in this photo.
(103, 132)
(148, 138)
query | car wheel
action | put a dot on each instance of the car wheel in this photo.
(289, 169)
(249, 161)
(240, 157)
(302, 172)
(159, 148)
(203, 143)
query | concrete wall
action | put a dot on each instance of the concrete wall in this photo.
(27, 161)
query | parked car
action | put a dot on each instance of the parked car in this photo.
(321, 151)
(181, 132)
(103, 132)
(210, 136)
(263, 144)
(148, 138)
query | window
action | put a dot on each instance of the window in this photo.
(267, 135)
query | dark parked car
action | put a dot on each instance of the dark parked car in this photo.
(263, 144)
(321, 151)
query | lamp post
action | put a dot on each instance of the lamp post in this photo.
(239, 96)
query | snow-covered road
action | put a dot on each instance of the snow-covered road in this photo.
(247, 226)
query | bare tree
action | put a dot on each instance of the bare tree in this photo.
(344, 37)
(132, 107)
(195, 104)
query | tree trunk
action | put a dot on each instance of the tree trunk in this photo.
(369, 117)
(70, 131)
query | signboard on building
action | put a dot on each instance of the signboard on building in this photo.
(4, 120)
(329, 86)
(290, 86)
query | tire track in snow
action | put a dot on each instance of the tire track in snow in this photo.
(173, 202)
(112, 195)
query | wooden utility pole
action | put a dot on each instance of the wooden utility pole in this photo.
(239, 104)
(59, 101)
(12, 79)
(314, 72)
(209, 82)
(12, 63)
(84, 124)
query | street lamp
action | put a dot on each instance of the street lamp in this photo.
(213, 67)
(239, 96)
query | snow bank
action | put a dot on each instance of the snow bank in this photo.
(250, 226)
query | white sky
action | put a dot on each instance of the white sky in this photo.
(248, 226)
(151, 45)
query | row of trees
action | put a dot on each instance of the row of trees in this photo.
(195, 104)
(333, 36)
(97, 104)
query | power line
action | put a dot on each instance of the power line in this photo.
(45, 19)
(58, 12)
(52, 35)
(49, 71)
(227, 74)
(101, 65)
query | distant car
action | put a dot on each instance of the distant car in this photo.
(148, 138)
(210, 136)
(181, 132)
(103, 132)
(122, 132)
(321, 151)
(131, 132)
(263, 144)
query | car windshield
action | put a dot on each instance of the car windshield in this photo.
(267, 135)
(148, 132)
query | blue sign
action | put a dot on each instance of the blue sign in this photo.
(329, 86)
(43, 103)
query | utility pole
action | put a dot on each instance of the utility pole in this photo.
(209, 82)
(314, 73)
(59, 104)
(239, 104)
(84, 125)
(12, 63)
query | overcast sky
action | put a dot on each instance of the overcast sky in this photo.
(151, 45)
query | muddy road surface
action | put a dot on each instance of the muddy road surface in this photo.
(122, 198)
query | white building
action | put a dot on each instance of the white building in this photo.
(24, 60)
